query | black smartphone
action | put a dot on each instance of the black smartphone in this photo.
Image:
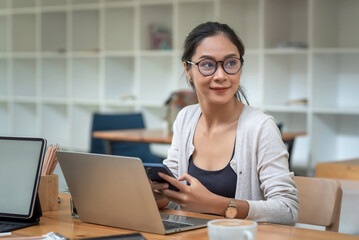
(152, 170)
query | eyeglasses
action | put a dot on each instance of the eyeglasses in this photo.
(208, 67)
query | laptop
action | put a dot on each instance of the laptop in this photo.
(115, 191)
(21, 160)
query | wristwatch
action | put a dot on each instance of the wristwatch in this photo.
(231, 211)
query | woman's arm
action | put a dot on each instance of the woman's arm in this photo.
(197, 198)
(276, 182)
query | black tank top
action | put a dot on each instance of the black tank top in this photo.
(221, 182)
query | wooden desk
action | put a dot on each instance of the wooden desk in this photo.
(348, 169)
(60, 221)
(136, 135)
(157, 135)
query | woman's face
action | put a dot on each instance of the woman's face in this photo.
(220, 87)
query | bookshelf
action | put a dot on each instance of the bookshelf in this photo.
(61, 60)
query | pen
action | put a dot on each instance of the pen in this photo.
(5, 234)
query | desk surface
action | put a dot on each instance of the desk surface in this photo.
(156, 135)
(347, 169)
(60, 221)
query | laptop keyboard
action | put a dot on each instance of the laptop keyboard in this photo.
(9, 226)
(172, 225)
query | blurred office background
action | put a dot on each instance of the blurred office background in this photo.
(63, 60)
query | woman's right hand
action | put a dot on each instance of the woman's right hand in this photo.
(161, 199)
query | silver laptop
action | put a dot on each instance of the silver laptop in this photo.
(115, 191)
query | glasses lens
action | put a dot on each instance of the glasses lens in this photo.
(232, 65)
(207, 67)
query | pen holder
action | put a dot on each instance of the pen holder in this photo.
(48, 192)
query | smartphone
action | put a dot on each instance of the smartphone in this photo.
(152, 170)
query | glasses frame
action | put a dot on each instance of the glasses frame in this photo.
(216, 66)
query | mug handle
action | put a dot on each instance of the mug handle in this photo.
(249, 235)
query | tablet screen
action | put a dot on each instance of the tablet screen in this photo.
(20, 167)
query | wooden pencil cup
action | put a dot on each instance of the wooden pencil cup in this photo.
(48, 192)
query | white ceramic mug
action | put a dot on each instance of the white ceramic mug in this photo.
(236, 229)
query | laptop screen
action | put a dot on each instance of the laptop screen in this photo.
(20, 167)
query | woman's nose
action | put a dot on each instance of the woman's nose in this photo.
(220, 74)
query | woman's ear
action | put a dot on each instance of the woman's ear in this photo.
(188, 75)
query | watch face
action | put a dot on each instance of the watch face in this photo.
(231, 212)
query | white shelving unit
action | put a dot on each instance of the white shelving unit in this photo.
(61, 60)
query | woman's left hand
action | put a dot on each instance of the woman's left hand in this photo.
(194, 197)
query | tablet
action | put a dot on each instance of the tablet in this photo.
(21, 161)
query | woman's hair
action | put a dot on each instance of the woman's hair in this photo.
(210, 29)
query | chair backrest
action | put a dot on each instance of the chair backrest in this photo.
(101, 122)
(319, 202)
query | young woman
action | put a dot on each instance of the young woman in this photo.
(229, 155)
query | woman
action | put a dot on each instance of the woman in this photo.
(230, 154)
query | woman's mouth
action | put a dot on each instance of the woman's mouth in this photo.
(220, 89)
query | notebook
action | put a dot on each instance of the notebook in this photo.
(21, 160)
(115, 191)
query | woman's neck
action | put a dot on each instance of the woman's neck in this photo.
(217, 115)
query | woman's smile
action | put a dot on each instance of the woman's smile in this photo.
(220, 89)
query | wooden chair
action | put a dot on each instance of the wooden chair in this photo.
(319, 202)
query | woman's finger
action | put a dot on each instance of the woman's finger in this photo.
(172, 181)
(159, 186)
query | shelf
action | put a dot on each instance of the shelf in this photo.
(155, 87)
(336, 50)
(24, 25)
(285, 51)
(24, 77)
(288, 73)
(335, 136)
(53, 32)
(112, 107)
(85, 78)
(85, 102)
(154, 116)
(47, 3)
(55, 124)
(117, 22)
(286, 22)
(119, 78)
(83, 2)
(54, 78)
(191, 14)
(3, 77)
(23, 3)
(54, 100)
(250, 79)
(81, 125)
(21, 99)
(246, 16)
(3, 34)
(159, 17)
(24, 119)
(286, 108)
(4, 119)
(292, 121)
(335, 78)
(156, 53)
(85, 30)
(337, 110)
(342, 17)
(3, 4)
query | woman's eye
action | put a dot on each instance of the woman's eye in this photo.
(231, 63)
(207, 64)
